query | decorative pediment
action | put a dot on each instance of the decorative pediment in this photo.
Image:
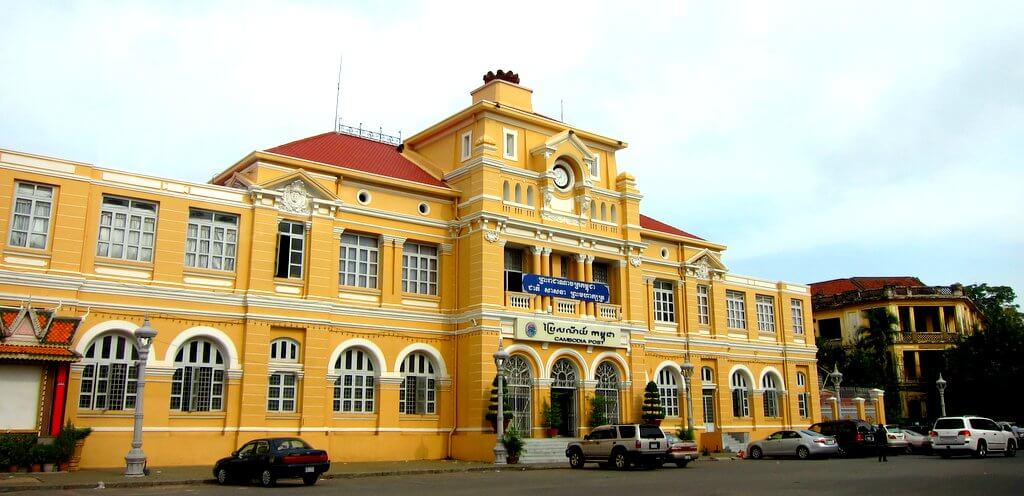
(705, 264)
(36, 334)
(296, 193)
(550, 148)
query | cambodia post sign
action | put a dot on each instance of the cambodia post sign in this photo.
(585, 334)
(566, 288)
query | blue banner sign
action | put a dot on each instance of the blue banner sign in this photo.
(566, 288)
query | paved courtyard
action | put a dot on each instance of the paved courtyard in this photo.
(901, 475)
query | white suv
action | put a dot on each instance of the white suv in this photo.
(968, 434)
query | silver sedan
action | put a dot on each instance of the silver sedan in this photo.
(802, 444)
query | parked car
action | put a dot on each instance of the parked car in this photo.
(1017, 431)
(971, 435)
(620, 446)
(855, 437)
(916, 441)
(802, 444)
(268, 460)
(896, 439)
(681, 452)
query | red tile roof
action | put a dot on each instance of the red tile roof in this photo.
(360, 154)
(836, 286)
(656, 225)
(61, 331)
(29, 352)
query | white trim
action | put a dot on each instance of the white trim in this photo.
(440, 373)
(538, 362)
(366, 345)
(780, 385)
(580, 362)
(505, 133)
(750, 377)
(615, 357)
(466, 151)
(216, 335)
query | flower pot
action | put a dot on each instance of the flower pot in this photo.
(552, 431)
(12, 468)
(49, 467)
(63, 466)
(35, 467)
(76, 456)
(512, 459)
(494, 425)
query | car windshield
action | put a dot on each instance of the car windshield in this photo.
(672, 438)
(949, 423)
(292, 443)
(893, 428)
(651, 432)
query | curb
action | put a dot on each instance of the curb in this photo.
(352, 475)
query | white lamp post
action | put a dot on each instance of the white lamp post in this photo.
(837, 378)
(687, 370)
(135, 460)
(499, 425)
(941, 385)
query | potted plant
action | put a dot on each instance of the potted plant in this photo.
(37, 455)
(514, 444)
(551, 416)
(686, 434)
(653, 412)
(19, 449)
(68, 446)
(598, 415)
(492, 406)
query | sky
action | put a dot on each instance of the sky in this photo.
(815, 139)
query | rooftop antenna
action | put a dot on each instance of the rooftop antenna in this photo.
(337, 97)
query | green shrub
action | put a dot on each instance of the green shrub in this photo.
(598, 404)
(16, 449)
(513, 442)
(652, 409)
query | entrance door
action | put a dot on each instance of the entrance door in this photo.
(709, 410)
(565, 400)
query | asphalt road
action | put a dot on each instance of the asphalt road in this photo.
(922, 475)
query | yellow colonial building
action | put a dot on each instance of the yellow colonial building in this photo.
(352, 289)
(930, 320)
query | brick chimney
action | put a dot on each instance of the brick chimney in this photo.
(503, 88)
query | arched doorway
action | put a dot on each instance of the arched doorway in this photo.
(520, 390)
(564, 383)
(608, 388)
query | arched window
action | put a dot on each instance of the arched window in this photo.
(740, 395)
(668, 387)
(520, 390)
(707, 376)
(198, 381)
(771, 395)
(608, 388)
(284, 350)
(604, 211)
(614, 216)
(563, 374)
(109, 374)
(593, 209)
(529, 195)
(505, 191)
(803, 398)
(519, 193)
(354, 389)
(418, 394)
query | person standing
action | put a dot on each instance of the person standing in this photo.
(881, 443)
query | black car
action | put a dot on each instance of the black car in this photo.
(268, 460)
(855, 437)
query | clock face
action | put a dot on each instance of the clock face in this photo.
(561, 177)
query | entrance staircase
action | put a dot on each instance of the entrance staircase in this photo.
(545, 450)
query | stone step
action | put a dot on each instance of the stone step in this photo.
(545, 450)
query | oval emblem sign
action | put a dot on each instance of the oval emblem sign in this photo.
(531, 329)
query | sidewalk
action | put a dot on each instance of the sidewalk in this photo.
(85, 479)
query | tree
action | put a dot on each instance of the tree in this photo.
(492, 404)
(652, 409)
(598, 417)
(993, 301)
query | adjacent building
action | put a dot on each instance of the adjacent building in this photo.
(931, 319)
(352, 288)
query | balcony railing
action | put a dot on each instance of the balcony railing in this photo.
(924, 338)
(519, 301)
(566, 307)
(607, 311)
(886, 293)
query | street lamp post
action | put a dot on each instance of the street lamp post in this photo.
(941, 385)
(499, 447)
(687, 370)
(135, 460)
(837, 378)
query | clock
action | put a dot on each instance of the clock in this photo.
(562, 178)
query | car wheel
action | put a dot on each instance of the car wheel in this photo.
(222, 476)
(1011, 449)
(576, 458)
(803, 453)
(982, 450)
(309, 480)
(682, 464)
(620, 460)
(267, 478)
(841, 452)
(909, 449)
(756, 453)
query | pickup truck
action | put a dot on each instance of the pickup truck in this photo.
(620, 446)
